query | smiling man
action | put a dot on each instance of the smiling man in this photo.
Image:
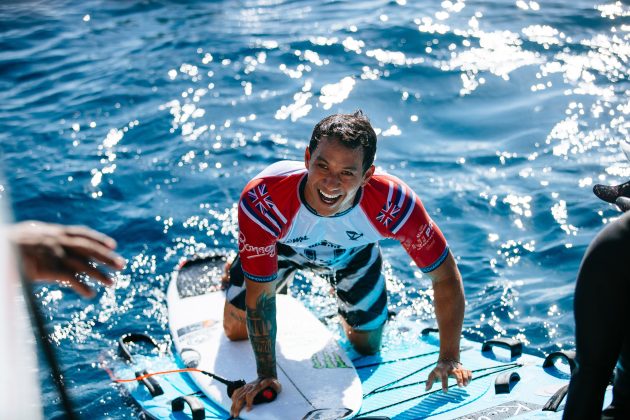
(327, 214)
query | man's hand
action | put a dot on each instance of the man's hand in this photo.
(446, 368)
(225, 278)
(244, 396)
(52, 252)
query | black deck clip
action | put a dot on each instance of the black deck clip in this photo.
(196, 406)
(503, 382)
(568, 355)
(514, 346)
(123, 349)
(556, 399)
(150, 383)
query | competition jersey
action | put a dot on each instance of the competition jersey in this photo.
(272, 210)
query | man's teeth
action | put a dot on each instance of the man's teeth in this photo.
(330, 197)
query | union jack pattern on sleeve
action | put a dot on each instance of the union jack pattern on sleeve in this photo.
(260, 208)
(388, 213)
(398, 208)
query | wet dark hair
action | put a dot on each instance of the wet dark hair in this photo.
(352, 130)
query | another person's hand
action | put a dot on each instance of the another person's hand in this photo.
(52, 252)
(446, 368)
(244, 396)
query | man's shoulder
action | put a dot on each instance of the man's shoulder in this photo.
(388, 202)
(382, 183)
(270, 200)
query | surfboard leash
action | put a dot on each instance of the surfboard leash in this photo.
(265, 396)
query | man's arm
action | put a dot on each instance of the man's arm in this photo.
(260, 300)
(448, 296)
(261, 326)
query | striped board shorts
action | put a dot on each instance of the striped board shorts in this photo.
(358, 283)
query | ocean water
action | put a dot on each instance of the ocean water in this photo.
(144, 119)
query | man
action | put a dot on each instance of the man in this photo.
(327, 215)
(602, 327)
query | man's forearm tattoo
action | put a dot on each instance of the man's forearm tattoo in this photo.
(262, 327)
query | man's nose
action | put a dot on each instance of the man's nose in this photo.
(332, 181)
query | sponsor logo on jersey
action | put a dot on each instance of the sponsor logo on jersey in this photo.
(321, 251)
(424, 235)
(353, 235)
(325, 244)
(297, 240)
(251, 251)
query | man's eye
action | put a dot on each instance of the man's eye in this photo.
(346, 173)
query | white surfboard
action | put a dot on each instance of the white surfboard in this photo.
(318, 379)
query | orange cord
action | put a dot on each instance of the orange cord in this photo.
(139, 378)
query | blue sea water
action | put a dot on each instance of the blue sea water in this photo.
(144, 119)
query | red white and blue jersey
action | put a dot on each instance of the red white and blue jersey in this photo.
(272, 210)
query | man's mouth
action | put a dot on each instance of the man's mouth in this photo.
(328, 198)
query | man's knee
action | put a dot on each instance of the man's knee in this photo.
(366, 348)
(364, 342)
(234, 324)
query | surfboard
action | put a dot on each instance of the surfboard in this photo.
(318, 378)
(508, 380)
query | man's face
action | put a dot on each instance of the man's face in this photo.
(335, 174)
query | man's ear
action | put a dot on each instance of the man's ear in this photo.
(307, 157)
(367, 175)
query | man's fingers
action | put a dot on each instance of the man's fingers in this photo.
(459, 377)
(235, 409)
(430, 380)
(86, 232)
(249, 397)
(445, 383)
(79, 266)
(275, 384)
(225, 278)
(237, 403)
(68, 278)
(96, 251)
(468, 377)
